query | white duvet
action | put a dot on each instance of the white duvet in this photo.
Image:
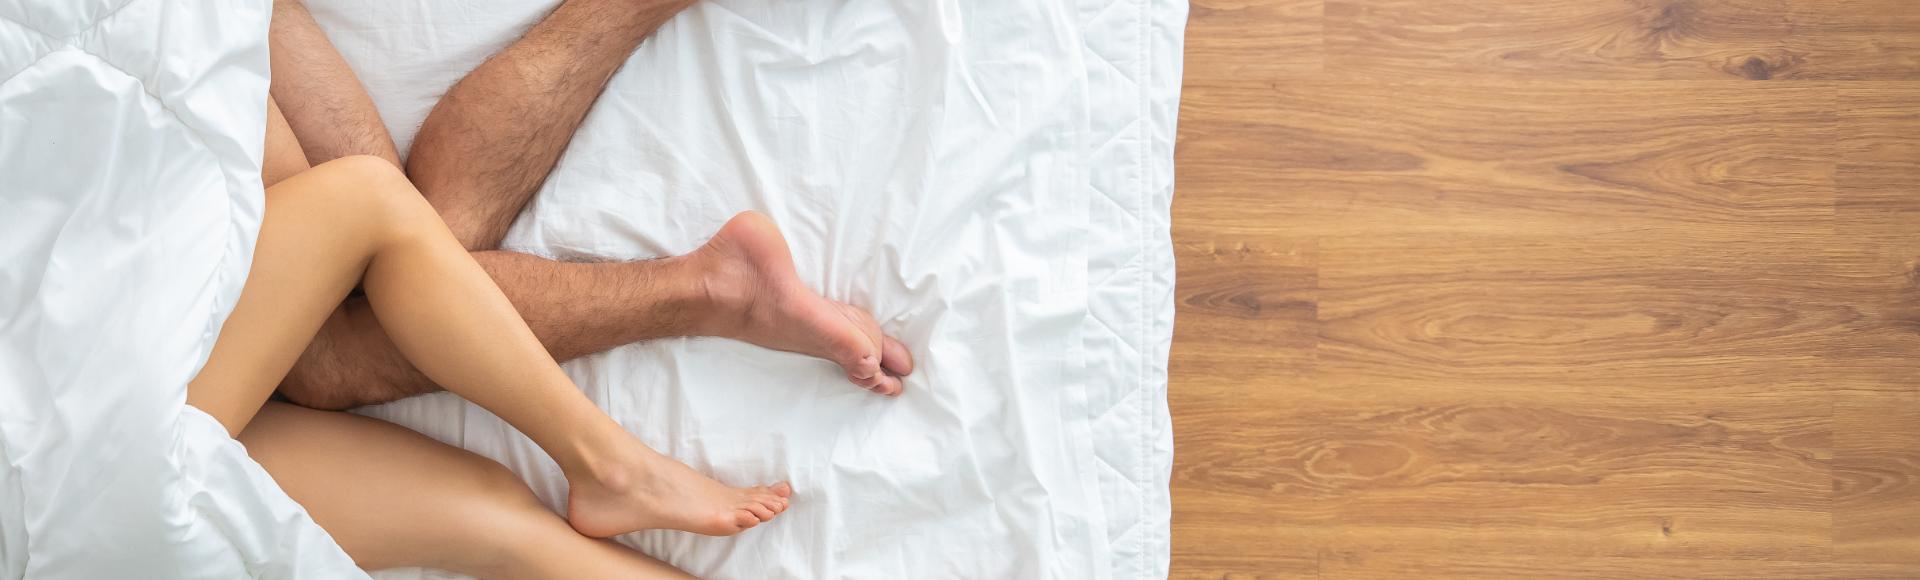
(130, 135)
(991, 179)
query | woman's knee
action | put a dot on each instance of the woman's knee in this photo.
(379, 189)
(372, 176)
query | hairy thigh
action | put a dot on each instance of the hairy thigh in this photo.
(326, 106)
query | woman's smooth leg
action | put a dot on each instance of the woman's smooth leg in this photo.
(357, 220)
(321, 230)
(394, 498)
(283, 157)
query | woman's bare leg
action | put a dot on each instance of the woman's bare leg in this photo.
(419, 502)
(357, 220)
(283, 157)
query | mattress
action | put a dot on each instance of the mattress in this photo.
(130, 197)
(991, 179)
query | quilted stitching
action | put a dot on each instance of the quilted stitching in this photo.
(1116, 334)
(1129, 321)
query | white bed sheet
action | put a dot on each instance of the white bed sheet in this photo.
(991, 179)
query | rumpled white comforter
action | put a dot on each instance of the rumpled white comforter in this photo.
(130, 136)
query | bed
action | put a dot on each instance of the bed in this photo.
(991, 179)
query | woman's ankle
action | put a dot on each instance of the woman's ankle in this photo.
(607, 460)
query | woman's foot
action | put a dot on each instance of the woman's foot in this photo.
(656, 492)
(752, 282)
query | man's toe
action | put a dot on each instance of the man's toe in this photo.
(895, 357)
(869, 382)
(889, 385)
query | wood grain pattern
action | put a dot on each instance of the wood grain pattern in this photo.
(1626, 39)
(1548, 288)
(1876, 409)
(1509, 157)
(1285, 33)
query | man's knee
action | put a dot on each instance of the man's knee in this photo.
(346, 367)
(318, 387)
(317, 381)
(461, 203)
(472, 227)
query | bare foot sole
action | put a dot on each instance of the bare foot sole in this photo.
(752, 274)
(660, 493)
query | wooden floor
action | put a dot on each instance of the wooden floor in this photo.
(1548, 288)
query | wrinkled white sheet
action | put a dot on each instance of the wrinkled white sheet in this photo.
(991, 179)
(130, 142)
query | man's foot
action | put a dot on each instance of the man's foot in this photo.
(656, 492)
(752, 281)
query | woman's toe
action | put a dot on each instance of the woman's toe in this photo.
(760, 511)
(744, 519)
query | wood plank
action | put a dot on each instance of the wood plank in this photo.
(1245, 305)
(1625, 39)
(1737, 481)
(1359, 566)
(1877, 398)
(1664, 309)
(1254, 39)
(1337, 157)
(1876, 485)
(1879, 153)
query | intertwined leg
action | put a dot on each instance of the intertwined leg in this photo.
(357, 221)
(480, 155)
(413, 501)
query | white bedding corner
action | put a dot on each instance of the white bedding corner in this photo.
(992, 179)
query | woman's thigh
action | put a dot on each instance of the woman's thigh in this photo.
(284, 157)
(321, 229)
(389, 496)
(394, 498)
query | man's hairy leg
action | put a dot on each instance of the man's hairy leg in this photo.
(322, 99)
(491, 140)
(574, 309)
(482, 153)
